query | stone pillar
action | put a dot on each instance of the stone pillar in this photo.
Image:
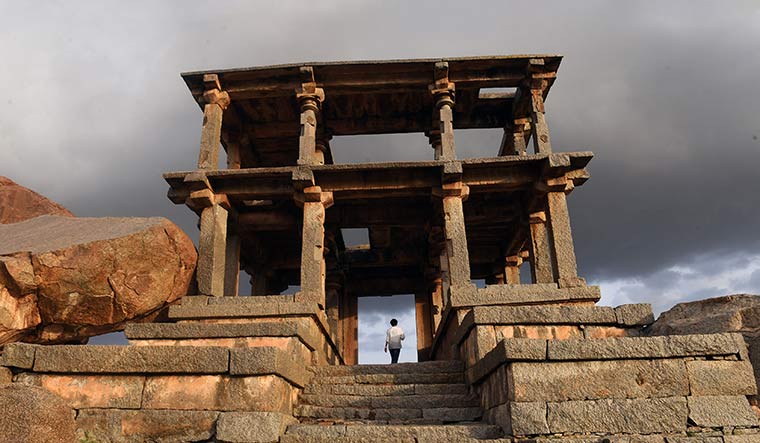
(434, 138)
(216, 101)
(457, 256)
(512, 270)
(561, 241)
(443, 94)
(310, 99)
(232, 262)
(212, 250)
(313, 267)
(233, 155)
(349, 329)
(423, 317)
(513, 140)
(540, 131)
(540, 261)
(437, 305)
(321, 147)
(333, 291)
(259, 281)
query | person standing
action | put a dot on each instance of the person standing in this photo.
(393, 338)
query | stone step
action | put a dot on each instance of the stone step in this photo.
(386, 389)
(428, 367)
(310, 439)
(305, 433)
(437, 415)
(386, 379)
(401, 401)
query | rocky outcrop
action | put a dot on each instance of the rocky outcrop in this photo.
(65, 279)
(34, 415)
(731, 313)
(18, 203)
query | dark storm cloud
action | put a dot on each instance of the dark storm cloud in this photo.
(664, 93)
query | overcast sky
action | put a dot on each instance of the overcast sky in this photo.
(664, 93)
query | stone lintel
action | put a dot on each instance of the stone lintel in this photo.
(268, 360)
(174, 331)
(645, 347)
(508, 350)
(522, 294)
(18, 355)
(131, 359)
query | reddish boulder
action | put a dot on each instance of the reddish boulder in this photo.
(65, 279)
(18, 203)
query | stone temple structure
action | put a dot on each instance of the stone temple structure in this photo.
(513, 360)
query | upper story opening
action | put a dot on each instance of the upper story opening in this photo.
(268, 117)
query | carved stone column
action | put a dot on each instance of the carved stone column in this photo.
(216, 101)
(443, 94)
(561, 239)
(232, 260)
(453, 194)
(313, 267)
(540, 130)
(310, 100)
(540, 261)
(512, 269)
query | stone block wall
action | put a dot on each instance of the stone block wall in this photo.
(492, 303)
(671, 387)
(150, 393)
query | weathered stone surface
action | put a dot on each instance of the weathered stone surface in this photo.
(131, 359)
(523, 294)
(733, 313)
(742, 438)
(140, 426)
(537, 332)
(252, 427)
(18, 203)
(715, 411)
(527, 418)
(629, 416)
(65, 279)
(644, 347)
(34, 415)
(428, 367)
(18, 355)
(515, 349)
(91, 391)
(588, 380)
(721, 377)
(6, 376)
(265, 360)
(219, 393)
(543, 314)
(635, 314)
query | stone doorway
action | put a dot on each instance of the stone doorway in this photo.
(374, 314)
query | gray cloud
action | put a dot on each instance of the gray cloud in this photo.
(94, 109)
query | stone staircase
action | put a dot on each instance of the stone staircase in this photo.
(407, 402)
